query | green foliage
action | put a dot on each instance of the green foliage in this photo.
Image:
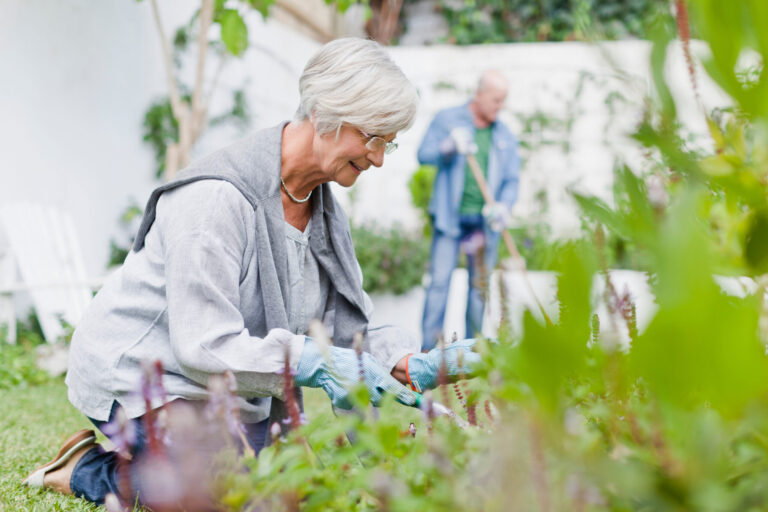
(420, 184)
(535, 244)
(549, 355)
(725, 365)
(34, 420)
(18, 366)
(160, 126)
(392, 260)
(18, 363)
(262, 6)
(239, 114)
(674, 421)
(160, 130)
(118, 251)
(567, 418)
(499, 21)
(343, 5)
(234, 32)
(631, 223)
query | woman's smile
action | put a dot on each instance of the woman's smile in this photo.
(356, 167)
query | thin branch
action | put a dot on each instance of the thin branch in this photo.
(198, 108)
(173, 89)
(390, 11)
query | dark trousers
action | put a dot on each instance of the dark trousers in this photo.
(96, 473)
(444, 259)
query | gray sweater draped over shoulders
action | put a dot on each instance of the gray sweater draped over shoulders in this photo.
(206, 289)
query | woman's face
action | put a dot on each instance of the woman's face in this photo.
(346, 157)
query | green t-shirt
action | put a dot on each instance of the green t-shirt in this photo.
(472, 199)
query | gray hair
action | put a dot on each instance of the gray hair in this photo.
(354, 81)
(492, 79)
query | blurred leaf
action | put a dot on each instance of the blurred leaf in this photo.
(716, 133)
(234, 32)
(596, 209)
(716, 165)
(702, 348)
(661, 36)
(262, 6)
(756, 242)
(549, 354)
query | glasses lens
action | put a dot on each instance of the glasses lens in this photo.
(376, 143)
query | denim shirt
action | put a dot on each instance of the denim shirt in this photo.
(503, 166)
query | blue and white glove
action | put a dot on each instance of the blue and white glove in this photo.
(341, 371)
(460, 141)
(423, 369)
(498, 216)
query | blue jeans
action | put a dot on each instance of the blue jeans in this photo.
(444, 258)
(96, 474)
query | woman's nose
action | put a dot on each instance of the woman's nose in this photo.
(376, 157)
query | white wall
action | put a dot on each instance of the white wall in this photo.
(543, 76)
(78, 76)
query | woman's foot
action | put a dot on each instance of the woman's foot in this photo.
(57, 473)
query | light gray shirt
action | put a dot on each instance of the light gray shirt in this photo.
(187, 298)
(308, 283)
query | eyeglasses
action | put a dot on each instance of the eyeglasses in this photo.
(376, 143)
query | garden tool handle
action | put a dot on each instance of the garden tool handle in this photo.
(505, 235)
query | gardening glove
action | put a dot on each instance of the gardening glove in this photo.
(462, 141)
(498, 216)
(423, 369)
(339, 369)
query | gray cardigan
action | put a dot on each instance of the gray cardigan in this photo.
(205, 289)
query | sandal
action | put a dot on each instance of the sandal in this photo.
(71, 446)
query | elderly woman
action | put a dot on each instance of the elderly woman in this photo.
(234, 258)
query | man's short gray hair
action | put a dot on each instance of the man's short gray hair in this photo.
(354, 81)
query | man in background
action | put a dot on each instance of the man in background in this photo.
(460, 216)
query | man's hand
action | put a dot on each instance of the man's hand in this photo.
(460, 141)
(497, 216)
(422, 370)
(341, 370)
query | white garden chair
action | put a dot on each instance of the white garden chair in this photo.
(40, 255)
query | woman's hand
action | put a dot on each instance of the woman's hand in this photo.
(342, 369)
(422, 370)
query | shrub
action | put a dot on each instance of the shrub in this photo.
(18, 363)
(499, 21)
(392, 260)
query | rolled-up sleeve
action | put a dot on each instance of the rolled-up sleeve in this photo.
(204, 231)
(432, 150)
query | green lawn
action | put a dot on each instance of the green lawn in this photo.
(34, 421)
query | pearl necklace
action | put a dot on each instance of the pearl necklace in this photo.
(293, 198)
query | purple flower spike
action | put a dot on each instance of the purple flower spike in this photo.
(222, 403)
(473, 243)
(112, 503)
(152, 382)
(121, 431)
